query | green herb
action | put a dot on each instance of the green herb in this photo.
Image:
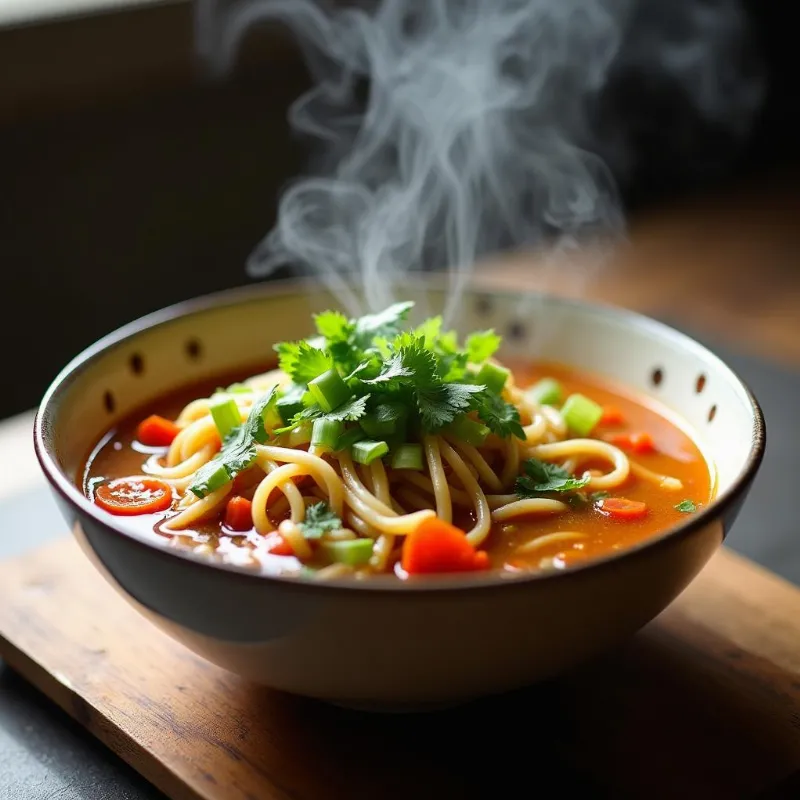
(595, 496)
(541, 478)
(481, 346)
(238, 450)
(319, 519)
(302, 362)
(686, 507)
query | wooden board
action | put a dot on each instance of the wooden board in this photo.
(705, 702)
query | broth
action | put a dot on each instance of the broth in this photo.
(509, 545)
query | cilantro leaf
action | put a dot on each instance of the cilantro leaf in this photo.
(500, 417)
(392, 369)
(334, 326)
(349, 412)
(319, 519)
(239, 448)
(440, 404)
(301, 361)
(385, 324)
(482, 345)
(686, 507)
(541, 477)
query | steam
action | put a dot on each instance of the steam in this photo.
(450, 130)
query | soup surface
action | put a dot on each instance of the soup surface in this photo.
(544, 498)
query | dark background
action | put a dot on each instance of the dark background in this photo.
(124, 197)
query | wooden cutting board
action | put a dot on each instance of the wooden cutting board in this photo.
(705, 702)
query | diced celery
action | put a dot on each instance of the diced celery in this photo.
(226, 415)
(326, 433)
(354, 552)
(349, 438)
(329, 390)
(581, 414)
(366, 451)
(547, 392)
(407, 456)
(468, 430)
(493, 377)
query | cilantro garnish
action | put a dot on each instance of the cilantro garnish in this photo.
(541, 478)
(238, 450)
(319, 519)
(686, 507)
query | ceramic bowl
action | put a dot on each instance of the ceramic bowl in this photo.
(385, 644)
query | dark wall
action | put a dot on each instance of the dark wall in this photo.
(120, 207)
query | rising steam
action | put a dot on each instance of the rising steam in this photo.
(453, 129)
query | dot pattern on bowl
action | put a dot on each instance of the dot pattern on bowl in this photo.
(516, 330)
(700, 384)
(194, 349)
(712, 412)
(136, 364)
(657, 376)
(483, 305)
(108, 402)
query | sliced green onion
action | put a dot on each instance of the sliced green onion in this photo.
(581, 414)
(329, 390)
(468, 430)
(291, 403)
(326, 433)
(493, 377)
(385, 420)
(300, 435)
(349, 438)
(354, 552)
(226, 416)
(407, 456)
(216, 480)
(367, 450)
(547, 392)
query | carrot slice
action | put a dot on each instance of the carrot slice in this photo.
(156, 431)
(438, 546)
(612, 416)
(277, 545)
(622, 508)
(129, 497)
(239, 514)
(641, 442)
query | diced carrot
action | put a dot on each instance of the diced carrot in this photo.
(156, 431)
(277, 545)
(612, 416)
(239, 514)
(129, 497)
(622, 508)
(641, 442)
(438, 546)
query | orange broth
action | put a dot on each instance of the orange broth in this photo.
(119, 455)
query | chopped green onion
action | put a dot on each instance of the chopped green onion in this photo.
(349, 438)
(468, 430)
(354, 552)
(385, 420)
(226, 415)
(216, 480)
(367, 450)
(291, 403)
(547, 392)
(581, 414)
(329, 390)
(326, 433)
(407, 456)
(300, 435)
(493, 377)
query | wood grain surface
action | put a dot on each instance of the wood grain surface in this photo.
(704, 702)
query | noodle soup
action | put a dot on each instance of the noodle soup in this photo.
(376, 448)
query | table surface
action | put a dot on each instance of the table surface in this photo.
(725, 271)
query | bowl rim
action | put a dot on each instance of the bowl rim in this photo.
(492, 580)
